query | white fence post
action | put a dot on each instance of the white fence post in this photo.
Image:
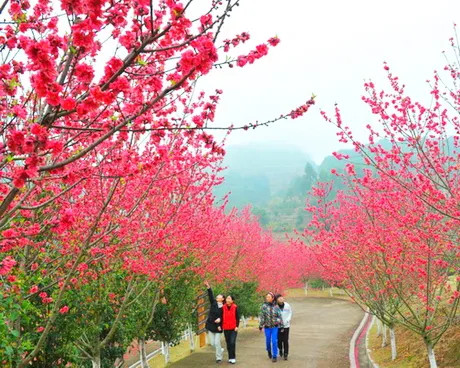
(165, 351)
(192, 338)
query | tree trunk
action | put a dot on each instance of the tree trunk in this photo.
(384, 336)
(379, 328)
(393, 343)
(143, 353)
(330, 292)
(96, 361)
(191, 337)
(431, 356)
(306, 288)
(165, 351)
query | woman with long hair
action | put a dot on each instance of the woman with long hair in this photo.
(270, 320)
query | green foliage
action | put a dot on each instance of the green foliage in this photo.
(246, 296)
(19, 319)
(301, 185)
(262, 215)
(9, 323)
(317, 283)
(82, 330)
(177, 309)
(58, 350)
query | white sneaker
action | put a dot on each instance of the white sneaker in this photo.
(232, 361)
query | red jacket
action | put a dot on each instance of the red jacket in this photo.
(230, 317)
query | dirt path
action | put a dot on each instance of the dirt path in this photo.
(320, 334)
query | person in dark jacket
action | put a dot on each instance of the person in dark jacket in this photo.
(214, 322)
(270, 320)
(230, 325)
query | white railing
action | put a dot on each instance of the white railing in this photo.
(164, 349)
(149, 356)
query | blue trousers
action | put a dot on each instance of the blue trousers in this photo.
(271, 340)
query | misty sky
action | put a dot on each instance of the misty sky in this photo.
(328, 47)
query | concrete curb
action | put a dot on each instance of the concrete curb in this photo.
(368, 351)
(354, 363)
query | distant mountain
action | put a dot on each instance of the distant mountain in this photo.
(256, 172)
(276, 180)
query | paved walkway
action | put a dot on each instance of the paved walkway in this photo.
(320, 335)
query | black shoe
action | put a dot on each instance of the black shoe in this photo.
(269, 355)
(218, 361)
(274, 360)
(285, 357)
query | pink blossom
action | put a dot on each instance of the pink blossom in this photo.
(206, 19)
(274, 41)
(241, 61)
(9, 233)
(33, 289)
(68, 103)
(6, 265)
(64, 309)
(262, 49)
(11, 278)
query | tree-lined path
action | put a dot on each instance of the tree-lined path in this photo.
(320, 336)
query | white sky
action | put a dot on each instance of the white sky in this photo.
(328, 47)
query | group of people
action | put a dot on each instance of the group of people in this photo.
(224, 317)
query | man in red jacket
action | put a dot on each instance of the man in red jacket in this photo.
(230, 324)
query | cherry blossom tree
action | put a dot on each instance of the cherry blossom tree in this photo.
(91, 76)
(399, 222)
(107, 163)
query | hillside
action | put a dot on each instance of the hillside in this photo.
(275, 181)
(257, 172)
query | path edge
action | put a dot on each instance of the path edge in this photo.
(368, 351)
(352, 350)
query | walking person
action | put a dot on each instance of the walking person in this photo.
(270, 320)
(283, 334)
(230, 324)
(214, 322)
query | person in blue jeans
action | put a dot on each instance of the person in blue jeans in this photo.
(270, 320)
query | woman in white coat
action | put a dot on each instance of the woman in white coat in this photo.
(283, 333)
